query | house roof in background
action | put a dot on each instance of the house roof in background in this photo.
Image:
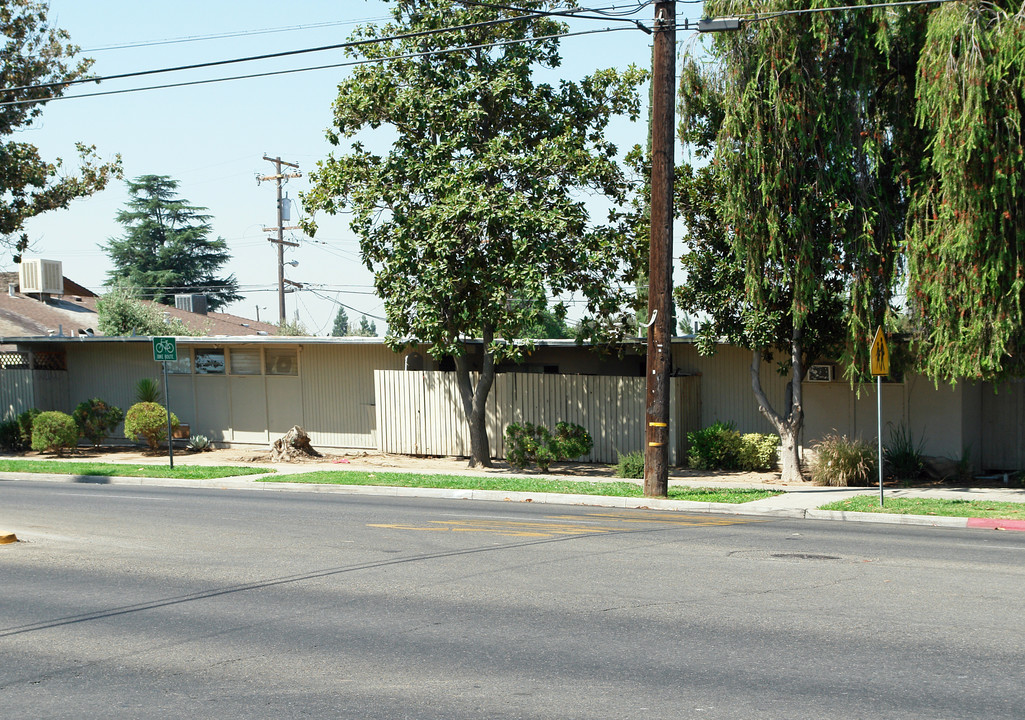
(73, 313)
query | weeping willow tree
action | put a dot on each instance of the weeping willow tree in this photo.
(804, 117)
(966, 240)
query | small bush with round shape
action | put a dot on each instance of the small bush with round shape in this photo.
(25, 420)
(148, 420)
(759, 452)
(528, 444)
(716, 447)
(630, 465)
(10, 436)
(842, 462)
(97, 419)
(53, 431)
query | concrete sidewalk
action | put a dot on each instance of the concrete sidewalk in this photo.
(796, 501)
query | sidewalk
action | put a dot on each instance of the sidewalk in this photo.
(796, 501)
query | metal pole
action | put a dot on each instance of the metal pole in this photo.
(659, 351)
(167, 409)
(879, 425)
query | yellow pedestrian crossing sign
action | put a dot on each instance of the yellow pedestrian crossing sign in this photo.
(880, 354)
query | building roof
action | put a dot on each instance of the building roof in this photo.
(74, 313)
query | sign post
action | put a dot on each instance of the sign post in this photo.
(165, 350)
(880, 365)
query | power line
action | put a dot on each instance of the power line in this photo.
(273, 73)
(233, 34)
(271, 56)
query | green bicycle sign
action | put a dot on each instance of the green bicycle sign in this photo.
(165, 349)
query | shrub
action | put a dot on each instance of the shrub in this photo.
(901, 457)
(53, 431)
(147, 390)
(148, 420)
(530, 444)
(716, 447)
(758, 452)
(25, 421)
(842, 462)
(10, 436)
(96, 419)
(630, 465)
(199, 443)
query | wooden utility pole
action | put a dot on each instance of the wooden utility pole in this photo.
(660, 285)
(278, 177)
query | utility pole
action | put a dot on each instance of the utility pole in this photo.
(660, 285)
(279, 177)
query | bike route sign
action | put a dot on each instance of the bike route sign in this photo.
(165, 349)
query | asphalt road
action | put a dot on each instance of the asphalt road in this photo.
(148, 602)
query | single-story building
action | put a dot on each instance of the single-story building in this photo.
(355, 393)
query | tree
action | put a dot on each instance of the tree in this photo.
(549, 325)
(166, 248)
(341, 326)
(295, 327)
(367, 328)
(121, 313)
(475, 215)
(36, 64)
(799, 248)
(966, 239)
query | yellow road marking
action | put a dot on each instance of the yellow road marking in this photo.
(610, 522)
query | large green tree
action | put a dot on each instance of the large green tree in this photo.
(167, 248)
(966, 244)
(798, 246)
(36, 63)
(476, 214)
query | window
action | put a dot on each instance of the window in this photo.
(282, 361)
(209, 361)
(245, 362)
(181, 366)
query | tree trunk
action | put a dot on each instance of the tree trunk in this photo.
(789, 427)
(475, 400)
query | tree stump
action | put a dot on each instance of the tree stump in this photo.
(292, 446)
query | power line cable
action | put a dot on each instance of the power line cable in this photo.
(232, 34)
(273, 73)
(275, 55)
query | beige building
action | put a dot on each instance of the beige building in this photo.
(356, 393)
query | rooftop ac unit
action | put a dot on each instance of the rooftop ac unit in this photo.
(820, 373)
(194, 303)
(41, 276)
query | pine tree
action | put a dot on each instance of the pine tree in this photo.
(166, 248)
(341, 326)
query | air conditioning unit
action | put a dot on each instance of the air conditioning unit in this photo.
(41, 276)
(820, 373)
(194, 303)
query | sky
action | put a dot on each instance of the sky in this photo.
(212, 138)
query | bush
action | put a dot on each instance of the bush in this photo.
(147, 390)
(901, 457)
(759, 452)
(842, 462)
(716, 447)
(630, 465)
(10, 436)
(148, 420)
(96, 419)
(530, 444)
(199, 443)
(53, 431)
(25, 421)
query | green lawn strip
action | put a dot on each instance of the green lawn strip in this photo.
(535, 485)
(930, 506)
(183, 472)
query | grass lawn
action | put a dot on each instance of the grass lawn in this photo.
(927, 506)
(100, 469)
(537, 485)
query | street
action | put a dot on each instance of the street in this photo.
(149, 602)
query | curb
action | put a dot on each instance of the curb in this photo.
(250, 482)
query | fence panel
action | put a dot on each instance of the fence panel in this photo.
(420, 412)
